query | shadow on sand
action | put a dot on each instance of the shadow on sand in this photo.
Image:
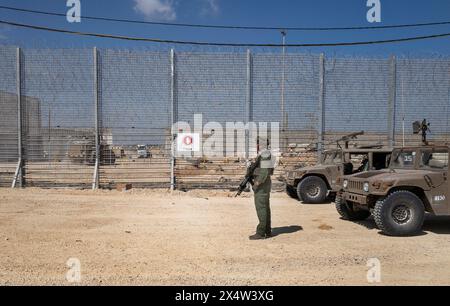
(437, 225)
(286, 230)
(433, 224)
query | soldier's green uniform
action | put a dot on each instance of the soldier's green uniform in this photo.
(262, 187)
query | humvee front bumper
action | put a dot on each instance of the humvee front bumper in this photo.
(354, 197)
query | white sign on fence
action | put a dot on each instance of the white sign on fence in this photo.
(188, 142)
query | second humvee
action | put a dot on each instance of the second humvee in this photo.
(398, 198)
(314, 184)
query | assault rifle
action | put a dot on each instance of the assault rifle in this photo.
(249, 176)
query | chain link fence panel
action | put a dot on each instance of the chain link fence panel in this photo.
(213, 86)
(357, 99)
(57, 115)
(9, 119)
(422, 91)
(134, 99)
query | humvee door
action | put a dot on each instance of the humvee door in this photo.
(436, 160)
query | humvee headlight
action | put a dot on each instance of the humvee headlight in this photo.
(366, 187)
(345, 184)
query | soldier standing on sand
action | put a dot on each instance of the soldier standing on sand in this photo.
(262, 186)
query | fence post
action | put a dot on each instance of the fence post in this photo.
(95, 183)
(321, 117)
(392, 98)
(172, 119)
(18, 175)
(249, 115)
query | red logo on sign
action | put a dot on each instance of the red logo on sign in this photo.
(188, 140)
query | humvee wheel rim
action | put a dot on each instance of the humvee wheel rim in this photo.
(313, 190)
(401, 214)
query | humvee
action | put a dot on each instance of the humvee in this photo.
(415, 183)
(314, 184)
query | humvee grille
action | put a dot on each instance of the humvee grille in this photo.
(355, 185)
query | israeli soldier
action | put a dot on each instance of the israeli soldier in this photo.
(262, 186)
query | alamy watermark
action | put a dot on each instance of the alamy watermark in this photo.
(74, 12)
(73, 275)
(235, 139)
(374, 13)
(374, 272)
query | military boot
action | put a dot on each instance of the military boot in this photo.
(256, 237)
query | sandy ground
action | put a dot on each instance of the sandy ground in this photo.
(201, 238)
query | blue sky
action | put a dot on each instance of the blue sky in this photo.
(317, 13)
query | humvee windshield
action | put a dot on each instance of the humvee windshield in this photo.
(403, 159)
(332, 158)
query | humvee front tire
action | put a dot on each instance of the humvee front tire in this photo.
(291, 192)
(347, 212)
(400, 214)
(312, 190)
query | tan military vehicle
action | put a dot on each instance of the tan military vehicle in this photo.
(313, 185)
(398, 198)
(83, 152)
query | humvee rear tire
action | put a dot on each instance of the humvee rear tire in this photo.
(312, 190)
(347, 213)
(400, 214)
(291, 192)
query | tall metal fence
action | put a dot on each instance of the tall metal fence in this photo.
(91, 118)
